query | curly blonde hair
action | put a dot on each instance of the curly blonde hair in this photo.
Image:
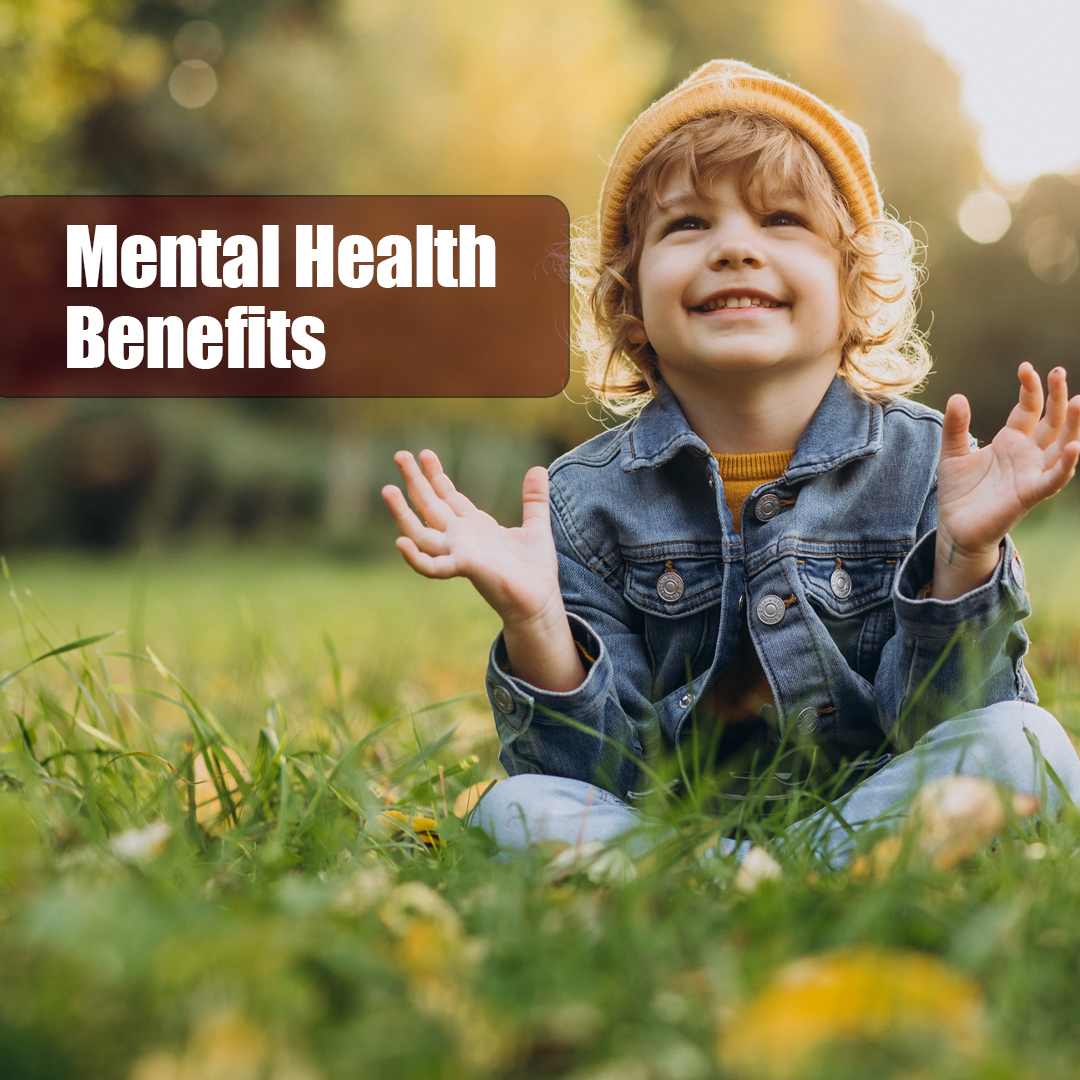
(883, 353)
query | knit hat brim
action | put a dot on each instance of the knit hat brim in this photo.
(722, 86)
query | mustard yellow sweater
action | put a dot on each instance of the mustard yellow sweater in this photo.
(742, 473)
(741, 689)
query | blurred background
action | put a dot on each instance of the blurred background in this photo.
(162, 97)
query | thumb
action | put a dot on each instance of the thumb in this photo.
(534, 498)
(954, 429)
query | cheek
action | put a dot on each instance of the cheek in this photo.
(831, 300)
(658, 291)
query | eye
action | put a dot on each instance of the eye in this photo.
(687, 223)
(784, 217)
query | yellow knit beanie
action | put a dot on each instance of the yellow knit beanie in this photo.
(724, 85)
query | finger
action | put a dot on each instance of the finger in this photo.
(1057, 404)
(431, 541)
(441, 566)
(399, 508)
(422, 495)
(1063, 470)
(1028, 409)
(441, 484)
(1070, 429)
(954, 428)
(535, 505)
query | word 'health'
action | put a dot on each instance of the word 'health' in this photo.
(441, 257)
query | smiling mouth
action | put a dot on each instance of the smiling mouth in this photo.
(718, 302)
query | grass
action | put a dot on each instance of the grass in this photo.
(198, 877)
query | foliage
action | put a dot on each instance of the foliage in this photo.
(60, 59)
(472, 96)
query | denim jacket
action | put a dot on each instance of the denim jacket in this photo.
(827, 577)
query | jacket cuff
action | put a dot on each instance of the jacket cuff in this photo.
(517, 703)
(920, 616)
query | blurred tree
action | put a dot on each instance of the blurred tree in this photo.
(1018, 299)
(363, 97)
(478, 96)
(359, 97)
(60, 59)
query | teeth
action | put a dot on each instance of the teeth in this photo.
(737, 302)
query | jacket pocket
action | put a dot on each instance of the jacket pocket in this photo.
(680, 599)
(852, 597)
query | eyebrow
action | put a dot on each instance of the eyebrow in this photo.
(686, 197)
(692, 197)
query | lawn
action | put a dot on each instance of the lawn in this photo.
(229, 849)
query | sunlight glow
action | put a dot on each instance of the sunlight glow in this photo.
(985, 217)
(1021, 79)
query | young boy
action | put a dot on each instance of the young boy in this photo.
(777, 546)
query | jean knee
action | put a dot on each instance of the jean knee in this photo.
(532, 808)
(506, 799)
(1024, 746)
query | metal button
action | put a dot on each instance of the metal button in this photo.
(841, 583)
(808, 721)
(1017, 568)
(501, 699)
(670, 586)
(771, 609)
(742, 602)
(684, 701)
(767, 507)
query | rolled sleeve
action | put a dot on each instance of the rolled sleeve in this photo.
(950, 656)
(518, 703)
(575, 733)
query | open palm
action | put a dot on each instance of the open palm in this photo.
(514, 569)
(983, 493)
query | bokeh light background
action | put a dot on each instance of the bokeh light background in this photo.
(972, 107)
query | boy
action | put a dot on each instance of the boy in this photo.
(777, 545)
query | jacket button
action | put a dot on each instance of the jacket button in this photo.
(1016, 567)
(684, 701)
(670, 586)
(841, 583)
(808, 721)
(501, 699)
(767, 507)
(770, 609)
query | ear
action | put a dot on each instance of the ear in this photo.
(637, 336)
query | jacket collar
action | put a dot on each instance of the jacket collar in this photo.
(844, 427)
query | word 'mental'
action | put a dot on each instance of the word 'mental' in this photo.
(237, 262)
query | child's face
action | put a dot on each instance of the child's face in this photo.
(704, 253)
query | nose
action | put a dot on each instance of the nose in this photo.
(736, 243)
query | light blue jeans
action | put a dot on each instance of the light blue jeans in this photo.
(995, 743)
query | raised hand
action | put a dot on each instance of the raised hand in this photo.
(983, 493)
(514, 569)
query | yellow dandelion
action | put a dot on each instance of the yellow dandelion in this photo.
(398, 826)
(861, 994)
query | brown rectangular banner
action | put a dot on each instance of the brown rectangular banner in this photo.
(298, 296)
